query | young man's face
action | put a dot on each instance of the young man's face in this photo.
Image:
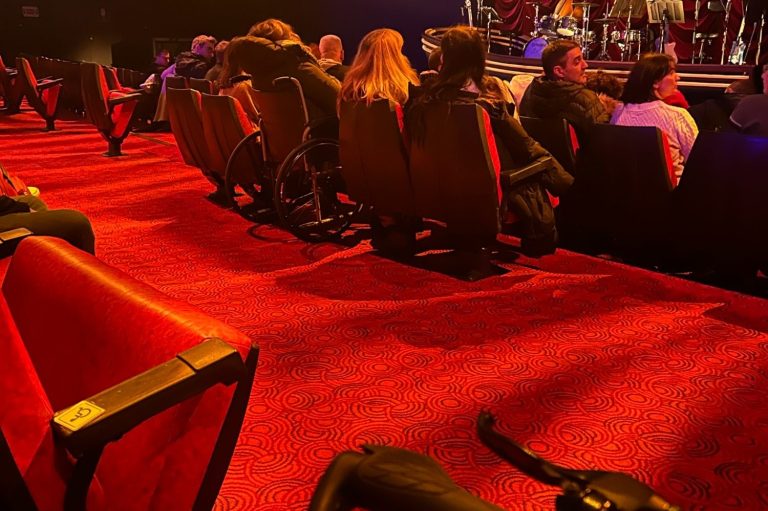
(205, 49)
(572, 69)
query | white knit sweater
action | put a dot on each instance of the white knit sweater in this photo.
(675, 122)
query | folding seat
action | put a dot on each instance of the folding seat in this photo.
(111, 111)
(176, 82)
(719, 211)
(8, 90)
(233, 145)
(186, 116)
(42, 95)
(622, 192)
(142, 422)
(202, 85)
(556, 136)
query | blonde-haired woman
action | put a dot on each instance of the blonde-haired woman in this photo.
(380, 70)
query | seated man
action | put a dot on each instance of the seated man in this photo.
(751, 114)
(562, 92)
(196, 62)
(332, 56)
(31, 213)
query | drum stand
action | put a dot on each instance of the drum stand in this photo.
(604, 43)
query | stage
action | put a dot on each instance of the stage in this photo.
(703, 78)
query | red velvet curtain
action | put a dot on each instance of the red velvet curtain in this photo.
(518, 16)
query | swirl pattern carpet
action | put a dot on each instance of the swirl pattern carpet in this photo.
(590, 364)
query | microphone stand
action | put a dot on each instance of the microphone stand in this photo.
(760, 38)
(468, 10)
(695, 28)
(725, 31)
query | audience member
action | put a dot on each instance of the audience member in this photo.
(161, 62)
(462, 81)
(30, 212)
(332, 56)
(380, 70)
(272, 49)
(434, 62)
(604, 83)
(196, 62)
(233, 81)
(652, 79)
(751, 114)
(561, 92)
(219, 49)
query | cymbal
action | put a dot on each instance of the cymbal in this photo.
(700, 36)
(583, 4)
(604, 20)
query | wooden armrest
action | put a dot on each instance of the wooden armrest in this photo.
(14, 235)
(513, 176)
(47, 83)
(106, 416)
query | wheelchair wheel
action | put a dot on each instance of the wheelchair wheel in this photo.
(309, 192)
(247, 180)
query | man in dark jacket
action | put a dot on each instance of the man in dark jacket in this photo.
(332, 56)
(561, 92)
(197, 62)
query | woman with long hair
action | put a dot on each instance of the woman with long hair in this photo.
(462, 80)
(380, 70)
(233, 81)
(652, 79)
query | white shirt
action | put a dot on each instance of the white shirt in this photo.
(676, 123)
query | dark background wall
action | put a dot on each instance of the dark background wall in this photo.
(121, 33)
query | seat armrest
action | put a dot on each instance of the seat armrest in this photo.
(123, 98)
(12, 72)
(14, 235)
(47, 83)
(106, 416)
(512, 176)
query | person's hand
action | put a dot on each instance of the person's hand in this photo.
(608, 102)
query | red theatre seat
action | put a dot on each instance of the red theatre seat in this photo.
(77, 335)
(42, 95)
(8, 88)
(110, 110)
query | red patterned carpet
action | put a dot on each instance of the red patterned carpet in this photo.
(589, 363)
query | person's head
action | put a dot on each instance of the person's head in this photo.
(331, 48)
(203, 45)
(219, 51)
(463, 58)
(562, 60)
(380, 70)
(759, 77)
(274, 30)
(163, 58)
(435, 60)
(652, 77)
(604, 83)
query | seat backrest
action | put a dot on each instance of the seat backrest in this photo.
(202, 85)
(95, 94)
(186, 116)
(624, 185)
(719, 206)
(176, 82)
(556, 136)
(6, 84)
(452, 171)
(284, 118)
(225, 124)
(111, 75)
(374, 162)
(103, 327)
(26, 78)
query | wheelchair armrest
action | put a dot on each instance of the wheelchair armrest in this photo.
(513, 176)
(106, 416)
(47, 83)
(239, 78)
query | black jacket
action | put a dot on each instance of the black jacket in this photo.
(266, 60)
(558, 99)
(192, 65)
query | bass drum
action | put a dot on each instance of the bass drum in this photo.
(535, 47)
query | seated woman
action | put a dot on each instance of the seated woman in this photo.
(381, 71)
(233, 81)
(462, 80)
(272, 49)
(751, 114)
(652, 79)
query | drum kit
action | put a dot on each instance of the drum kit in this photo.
(609, 43)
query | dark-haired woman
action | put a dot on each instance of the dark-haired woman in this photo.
(462, 80)
(652, 79)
